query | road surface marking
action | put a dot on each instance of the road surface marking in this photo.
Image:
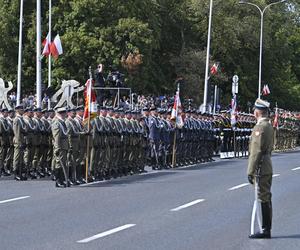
(276, 175)
(187, 205)
(294, 169)
(239, 186)
(106, 233)
(14, 199)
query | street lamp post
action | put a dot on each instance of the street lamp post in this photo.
(207, 58)
(262, 12)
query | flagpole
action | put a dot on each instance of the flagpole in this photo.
(88, 125)
(207, 58)
(20, 55)
(174, 149)
(38, 55)
(174, 142)
(49, 57)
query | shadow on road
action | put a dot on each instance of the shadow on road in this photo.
(129, 180)
(293, 236)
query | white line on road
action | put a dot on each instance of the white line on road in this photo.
(106, 233)
(187, 205)
(276, 175)
(294, 169)
(239, 186)
(14, 199)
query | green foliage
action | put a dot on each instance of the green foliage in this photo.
(170, 37)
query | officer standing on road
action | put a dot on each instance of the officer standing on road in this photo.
(260, 164)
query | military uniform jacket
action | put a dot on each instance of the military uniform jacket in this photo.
(154, 132)
(73, 134)
(39, 132)
(260, 148)
(4, 132)
(60, 134)
(20, 129)
(47, 131)
(31, 129)
(10, 130)
(97, 128)
(83, 138)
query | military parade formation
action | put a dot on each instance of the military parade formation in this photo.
(36, 143)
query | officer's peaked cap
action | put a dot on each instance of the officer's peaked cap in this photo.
(261, 104)
(37, 110)
(80, 108)
(61, 110)
(19, 107)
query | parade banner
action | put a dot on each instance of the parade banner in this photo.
(90, 108)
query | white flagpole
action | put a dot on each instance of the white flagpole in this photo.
(207, 58)
(49, 57)
(38, 55)
(20, 55)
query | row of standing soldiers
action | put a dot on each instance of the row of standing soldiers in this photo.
(36, 143)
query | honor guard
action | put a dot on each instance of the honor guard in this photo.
(4, 141)
(10, 150)
(154, 137)
(74, 147)
(60, 147)
(20, 131)
(38, 142)
(45, 162)
(83, 144)
(30, 140)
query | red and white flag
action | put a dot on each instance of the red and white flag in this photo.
(233, 112)
(46, 43)
(176, 111)
(90, 108)
(56, 47)
(266, 90)
(214, 69)
(276, 119)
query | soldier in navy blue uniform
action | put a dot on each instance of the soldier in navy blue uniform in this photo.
(154, 137)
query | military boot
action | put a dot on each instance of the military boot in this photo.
(266, 208)
(17, 176)
(59, 178)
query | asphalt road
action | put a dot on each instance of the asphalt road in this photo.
(207, 206)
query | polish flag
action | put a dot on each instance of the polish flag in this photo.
(266, 90)
(56, 47)
(214, 69)
(276, 119)
(90, 108)
(233, 118)
(176, 111)
(46, 44)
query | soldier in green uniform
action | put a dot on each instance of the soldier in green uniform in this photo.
(30, 139)
(37, 143)
(10, 149)
(4, 140)
(60, 146)
(96, 129)
(80, 168)
(20, 130)
(74, 147)
(46, 143)
(260, 164)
